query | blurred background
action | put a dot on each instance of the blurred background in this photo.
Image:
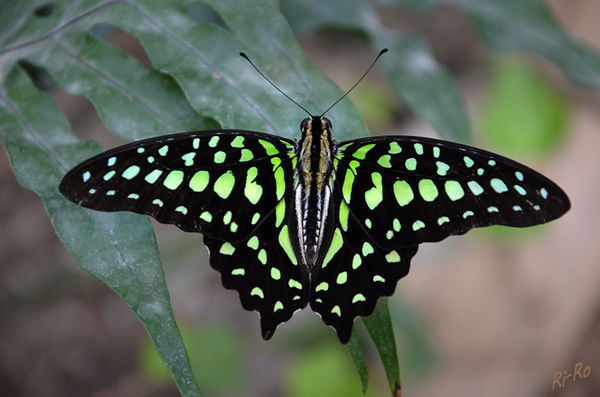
(496, 312)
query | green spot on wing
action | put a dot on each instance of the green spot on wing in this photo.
(454, 190)
(358, 298)
(131, 172)
(520, 190)
(394, 148)
(384, 161)
(418, 225)
(227, 217)
(252, 190)
(173, 179)
(163, 150)
(468, 161)
(367, 248)
(269, 147)
(224, 184)
(443, 219)
(238, 272)
(256, 291)
(220, 157)
(294, 284)
(442, 168)
(109, 175)
(247, 155)
(356, 261)
(214, 141)
(238, 142)
(336, 243)
(279, 213)
(285, 243)
(199, 181)
(342, 278)
(392, 257)
(498, 185)
(347, 186)
(403, 192)
(362, 151)
(262, 257)
(227, 249)
(475, 187)
(253, 242)
(343, 215)
(153, 176)
(374, 196)
(188, 159)
(206, 216)
(275, 273)
(418, 148)
(428, 190)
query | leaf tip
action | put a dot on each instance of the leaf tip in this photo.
(397, 389)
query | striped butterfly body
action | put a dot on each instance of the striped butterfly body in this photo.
(311, 221)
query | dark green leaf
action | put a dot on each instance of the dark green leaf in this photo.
(358, 358)
(119, 249)
(379, 325)
(528, 25)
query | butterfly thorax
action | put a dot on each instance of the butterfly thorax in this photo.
(312, 192)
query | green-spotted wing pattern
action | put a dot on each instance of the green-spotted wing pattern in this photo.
(310, 221)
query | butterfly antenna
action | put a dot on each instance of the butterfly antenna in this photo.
(273, 84)
(359, 80)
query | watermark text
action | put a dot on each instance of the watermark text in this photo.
(563, 378)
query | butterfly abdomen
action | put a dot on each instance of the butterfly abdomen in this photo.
(313, 191)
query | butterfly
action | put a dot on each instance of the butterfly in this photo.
(312, 221)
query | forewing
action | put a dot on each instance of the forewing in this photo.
(415, 190)
(229, 185)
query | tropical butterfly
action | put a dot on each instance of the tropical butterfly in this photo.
(291, 222)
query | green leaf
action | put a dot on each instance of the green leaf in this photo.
(379, 325)
(119, 249)
(529, 26)
(425, 85)
(358, 358)
(417, 78)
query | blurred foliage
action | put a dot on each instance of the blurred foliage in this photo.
(375, 103)
(324, 371)
(216, 356)
(523, 114)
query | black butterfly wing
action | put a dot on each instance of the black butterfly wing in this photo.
(231, 186)
(397, 192)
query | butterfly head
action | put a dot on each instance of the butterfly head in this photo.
(316, 126)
